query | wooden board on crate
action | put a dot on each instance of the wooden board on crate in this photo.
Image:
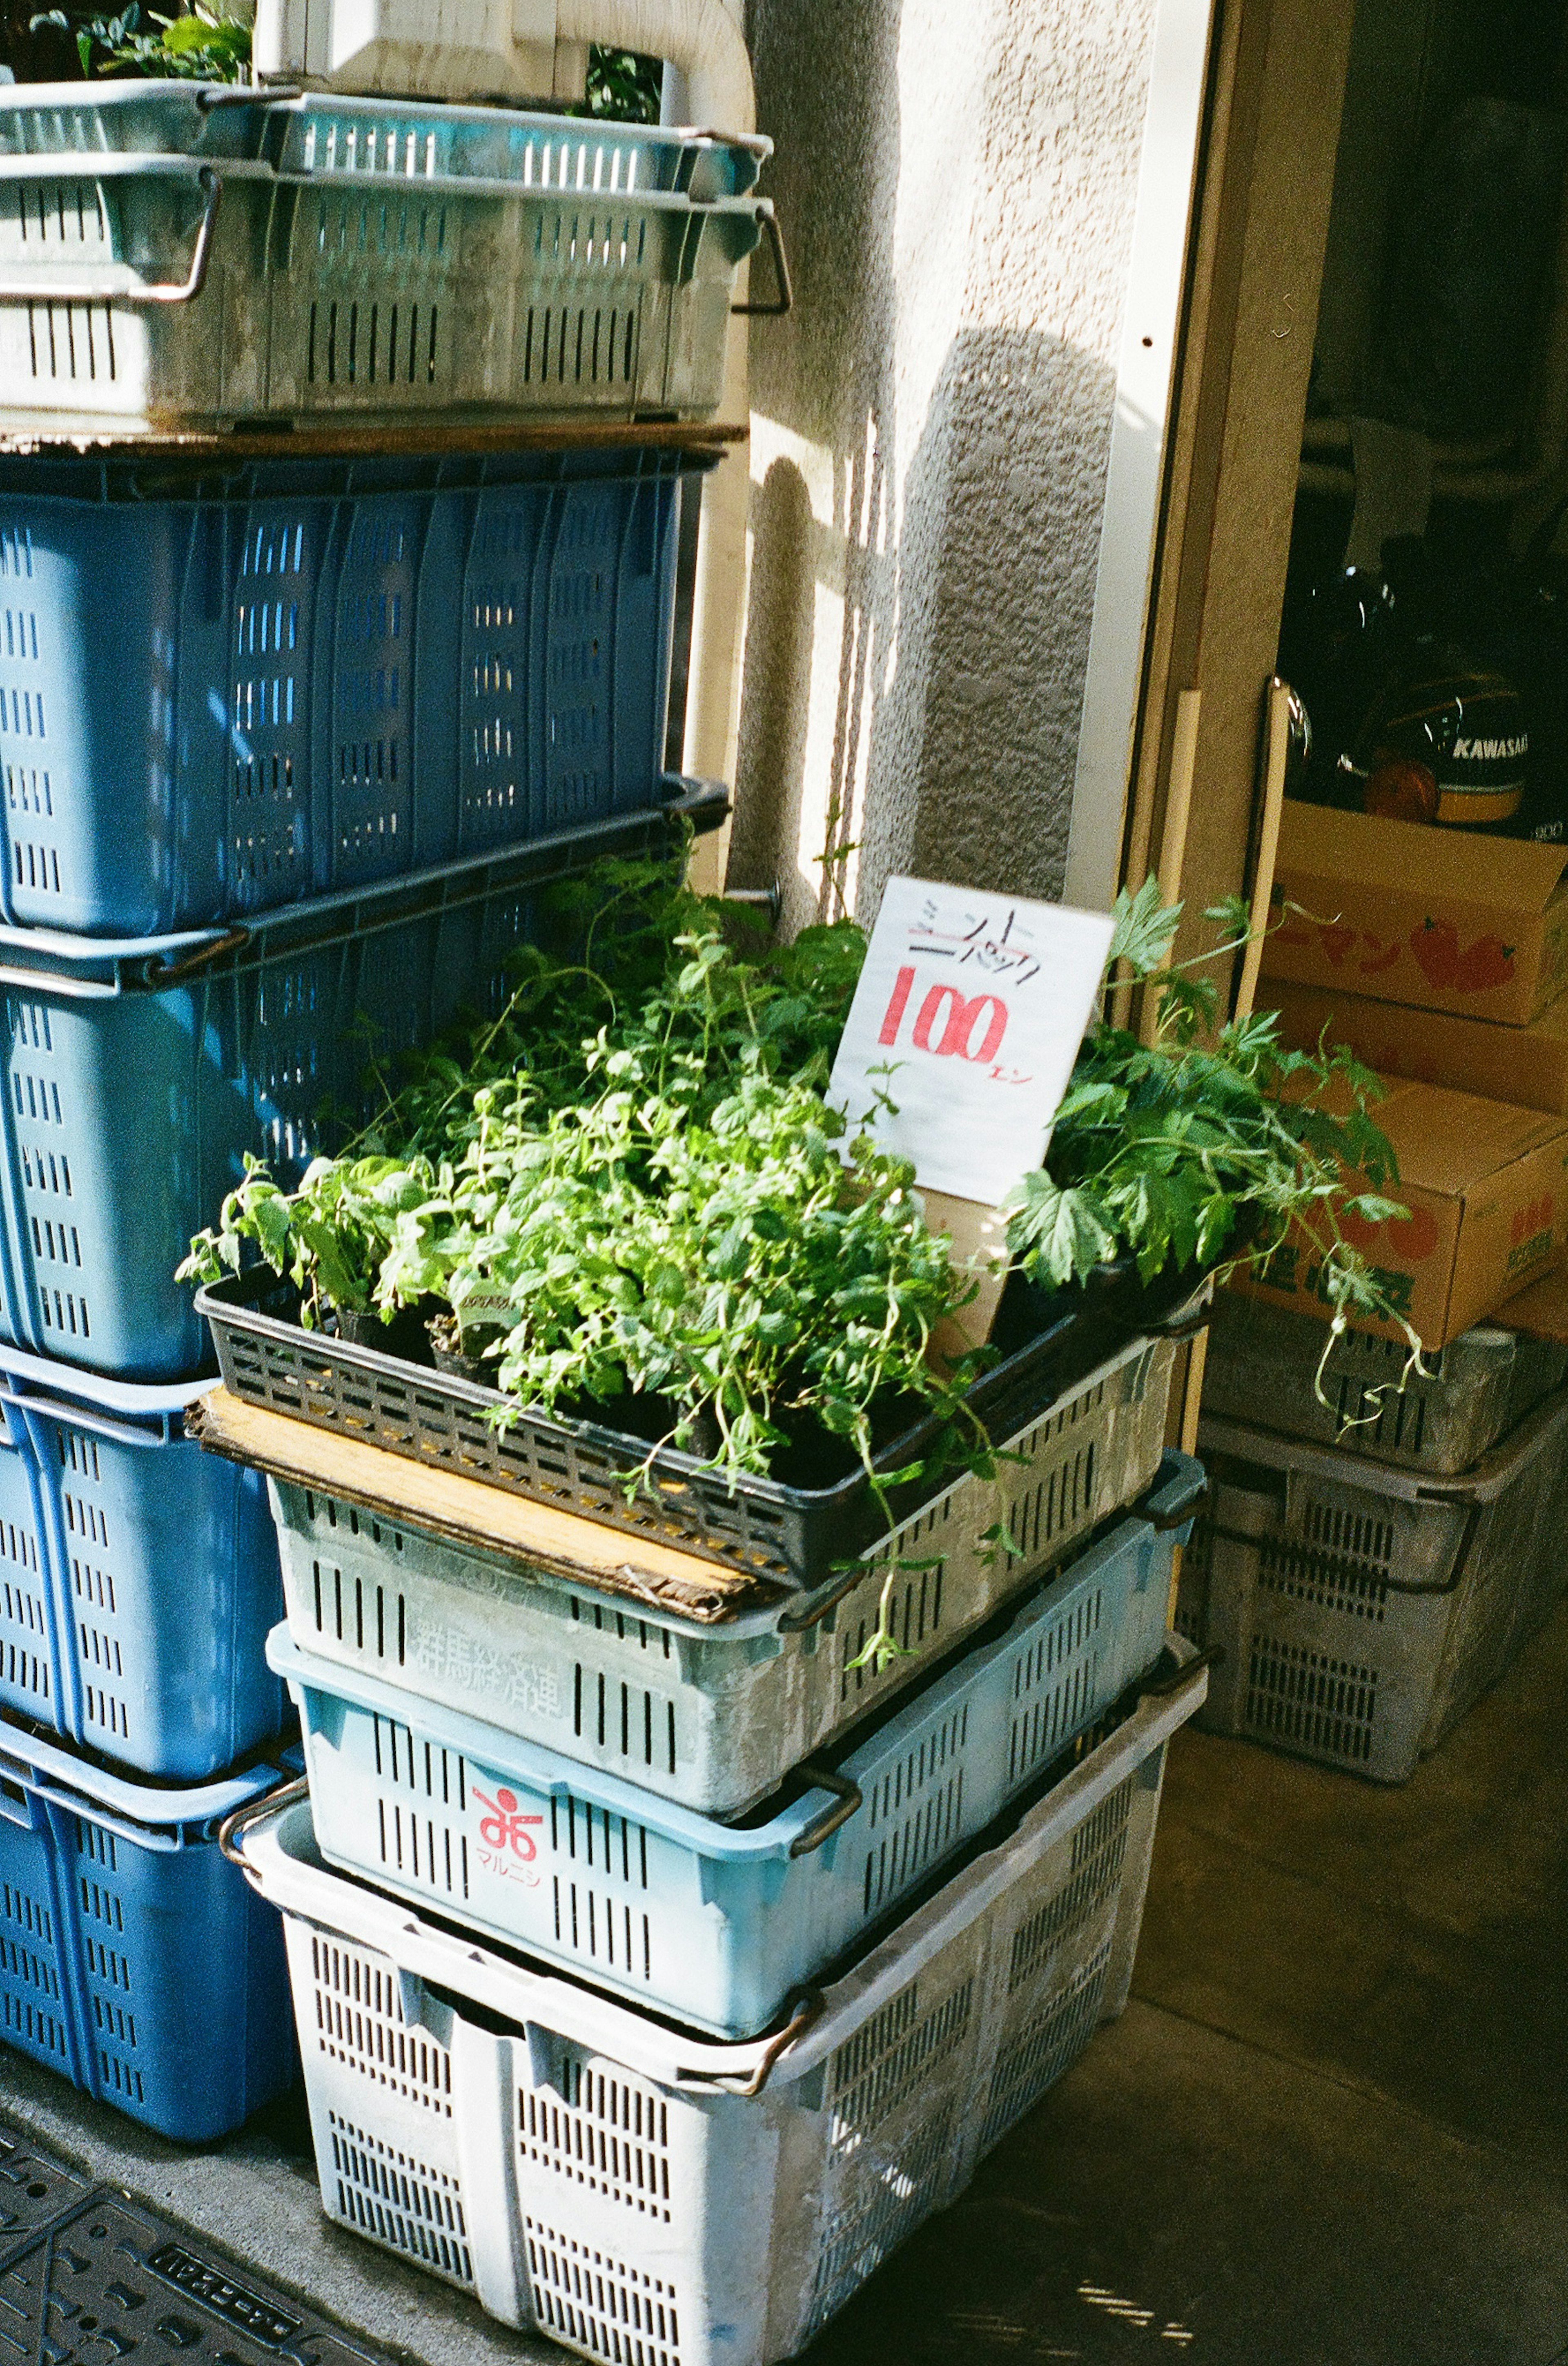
(40, 434)
(441, 1503)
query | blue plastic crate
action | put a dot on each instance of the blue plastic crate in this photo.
(713, 1922)
(221, 695)
(133, 1958)
(139, 1576)
(136, 1075)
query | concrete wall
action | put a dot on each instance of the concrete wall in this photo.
(930, 432)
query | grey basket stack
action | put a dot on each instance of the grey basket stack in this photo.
(1370, 1565)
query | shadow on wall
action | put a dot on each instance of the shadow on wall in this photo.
(920, 617)
(949, 634)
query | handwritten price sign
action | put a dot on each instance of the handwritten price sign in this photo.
(968, 1017)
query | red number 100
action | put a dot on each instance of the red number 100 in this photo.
(958, 1020)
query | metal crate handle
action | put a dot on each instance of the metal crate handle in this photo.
(847, 1802)
(806, 2010)
(232, 1830)
(105, 291)
(785, 299)
(247, 94)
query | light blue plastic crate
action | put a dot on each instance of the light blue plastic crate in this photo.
(716, 1923)
(137, 1074)
(220, 695)
(139, 1576)
(133, 1958)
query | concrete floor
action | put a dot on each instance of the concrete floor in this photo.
(1330, 2130)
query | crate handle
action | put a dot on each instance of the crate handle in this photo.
(102, 1425)
(1190, 1491)
(847, 1802)
(1176, 1680)
(232, 1829)
(100, 291)
(753, 143)
(247, 94)
(162, 1844)
(160, 972)
(1184, 1325)
(785, 299)
(808, 2006)
(799, 1622)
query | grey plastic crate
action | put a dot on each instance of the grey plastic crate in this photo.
(1362, 1609)
(713, 1716)
(1474, 1390)
(307, 258)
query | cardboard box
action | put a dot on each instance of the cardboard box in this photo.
(1486, 1185)
(1405, 913)
(1527, 1065)
(1541, 1311)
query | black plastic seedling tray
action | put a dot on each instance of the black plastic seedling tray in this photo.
(793, 1535)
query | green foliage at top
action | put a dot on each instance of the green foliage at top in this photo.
(1211, 1142)
(629, 1184)
(204, 46)
(624, 87)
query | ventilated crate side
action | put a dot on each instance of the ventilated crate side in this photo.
(590, 2179)
(713, 1717)
(1363, 1610)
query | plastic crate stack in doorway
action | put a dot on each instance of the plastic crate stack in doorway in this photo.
(293, 724)
(1370, 1565)
(789, 1938)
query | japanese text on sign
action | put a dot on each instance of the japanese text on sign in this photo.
(967, 1019)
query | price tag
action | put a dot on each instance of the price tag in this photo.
(968, 1019)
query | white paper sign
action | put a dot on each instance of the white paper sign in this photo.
(977, 1004)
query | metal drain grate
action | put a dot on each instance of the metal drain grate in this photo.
(107, 2279)
(35, 2191)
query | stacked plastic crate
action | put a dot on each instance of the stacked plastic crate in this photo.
(304, 682)
(658, 1968)
(1370, 1562)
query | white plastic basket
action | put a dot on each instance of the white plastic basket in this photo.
(713, 1716)
(312, 258)
(1361, 1609)
(647, 2198)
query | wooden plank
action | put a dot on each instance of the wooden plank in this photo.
(531, 1537)
(1237, 542)
(1267, 173)
(38, 435)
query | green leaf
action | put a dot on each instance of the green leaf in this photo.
(1069, 1237)
(1145, 928)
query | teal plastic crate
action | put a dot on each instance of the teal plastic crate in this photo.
(190, 256)
(323, 673)
(139, 1576)
(133, 1958)
(135, 1075)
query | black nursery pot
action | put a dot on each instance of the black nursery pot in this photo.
(407, 1337)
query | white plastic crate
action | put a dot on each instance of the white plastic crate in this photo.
(173, 254)
(1361, 1609)
(713, 1716)
(647, 2198)
(717, 1921)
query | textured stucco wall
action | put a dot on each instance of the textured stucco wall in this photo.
(930, 431)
